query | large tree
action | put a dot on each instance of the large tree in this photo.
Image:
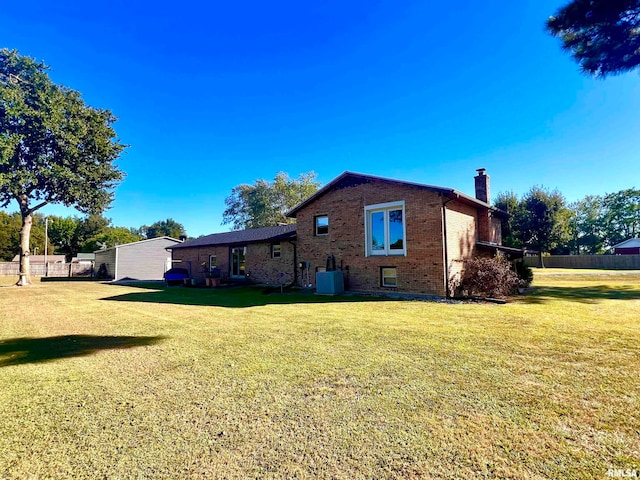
(265, 203)
(53, 147)
(162, 228)
(621, 216)
(603, 36)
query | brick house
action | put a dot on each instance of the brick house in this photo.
(395, 236)
(261, 255)
(384, 235)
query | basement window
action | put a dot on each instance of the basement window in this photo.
(389, 276)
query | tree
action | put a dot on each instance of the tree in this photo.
(621, 216)
(53, 147)
(266, 203)
(110, 237)
(10, 225)
(544, 222)
(586, 225)
(162, 228)
(603, 36)
(509, 202)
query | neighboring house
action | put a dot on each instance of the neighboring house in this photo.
(397, 236)
(144, 260)
(628, 247)
(39, 259)
(382, 234)
(261, 255)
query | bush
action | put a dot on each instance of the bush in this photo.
(487, 277)
(525, 274)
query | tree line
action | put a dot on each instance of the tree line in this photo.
(71, 235)
(542, 220)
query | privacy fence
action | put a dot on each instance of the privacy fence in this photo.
(50, 270)
(608, 262)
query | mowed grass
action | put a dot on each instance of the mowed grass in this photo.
(103, 381)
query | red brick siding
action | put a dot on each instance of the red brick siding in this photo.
(461, 235)
(421, 271)
(260, 267)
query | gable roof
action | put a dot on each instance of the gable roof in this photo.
(253, 235)
(139, 242)
(349, 179)
(629, 243)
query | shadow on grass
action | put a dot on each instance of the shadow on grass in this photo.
(18, 351)
(591, 294)
(235, 297)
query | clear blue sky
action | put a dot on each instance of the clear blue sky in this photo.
(213, 94)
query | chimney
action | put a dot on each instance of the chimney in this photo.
(482, 186)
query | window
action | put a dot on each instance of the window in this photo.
(213, 262)
(276, 250)
(385, 229)
(322, 225)
(389, 276)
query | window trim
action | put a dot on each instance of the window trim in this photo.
(211, 267)
(315, 225)
(273, 251)
(382, 277)
(384, 207)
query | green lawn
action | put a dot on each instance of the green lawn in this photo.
(104, 381)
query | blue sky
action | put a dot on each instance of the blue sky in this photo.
(213, 94)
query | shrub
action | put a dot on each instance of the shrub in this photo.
(525, 274)
(488, 277)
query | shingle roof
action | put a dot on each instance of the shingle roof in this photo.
(40, 258)
(629, 243)
(351, 178)
(253, 235)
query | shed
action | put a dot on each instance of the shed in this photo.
(628, 247)
(143, 260)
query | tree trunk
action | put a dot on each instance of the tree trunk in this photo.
(25, 237)
(540, 261)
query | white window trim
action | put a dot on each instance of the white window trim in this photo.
(384, 207)
(216, 265)
(382, 277)
(273, 251)
(315, 221)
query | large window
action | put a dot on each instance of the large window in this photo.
(322, 225)
(385, 229)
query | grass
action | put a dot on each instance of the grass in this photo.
(102, 381)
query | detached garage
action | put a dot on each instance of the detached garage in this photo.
(144, 260)
(628, 247)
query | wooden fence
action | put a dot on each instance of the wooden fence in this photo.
(51, 270)
(605, 262)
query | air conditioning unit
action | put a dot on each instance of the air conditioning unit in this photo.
(329, 283)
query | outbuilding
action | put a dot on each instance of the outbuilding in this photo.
(628, 247)
(143, 260)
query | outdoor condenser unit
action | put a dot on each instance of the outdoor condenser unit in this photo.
(329, 283)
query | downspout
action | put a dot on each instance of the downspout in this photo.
(446, 249)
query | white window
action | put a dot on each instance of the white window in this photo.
(385, 230)
(322, 225)
(276, 250)
(389, 276)
(213, 262)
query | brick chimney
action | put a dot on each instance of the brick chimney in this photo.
(482, 185)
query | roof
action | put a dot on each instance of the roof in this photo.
(348, 179)
(40, 258)
(630, 243)
(138, 243)
(253, 235)
(514, 252)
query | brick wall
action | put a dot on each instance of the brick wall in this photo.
(260, 267)
(462, 233)
(420, 271)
